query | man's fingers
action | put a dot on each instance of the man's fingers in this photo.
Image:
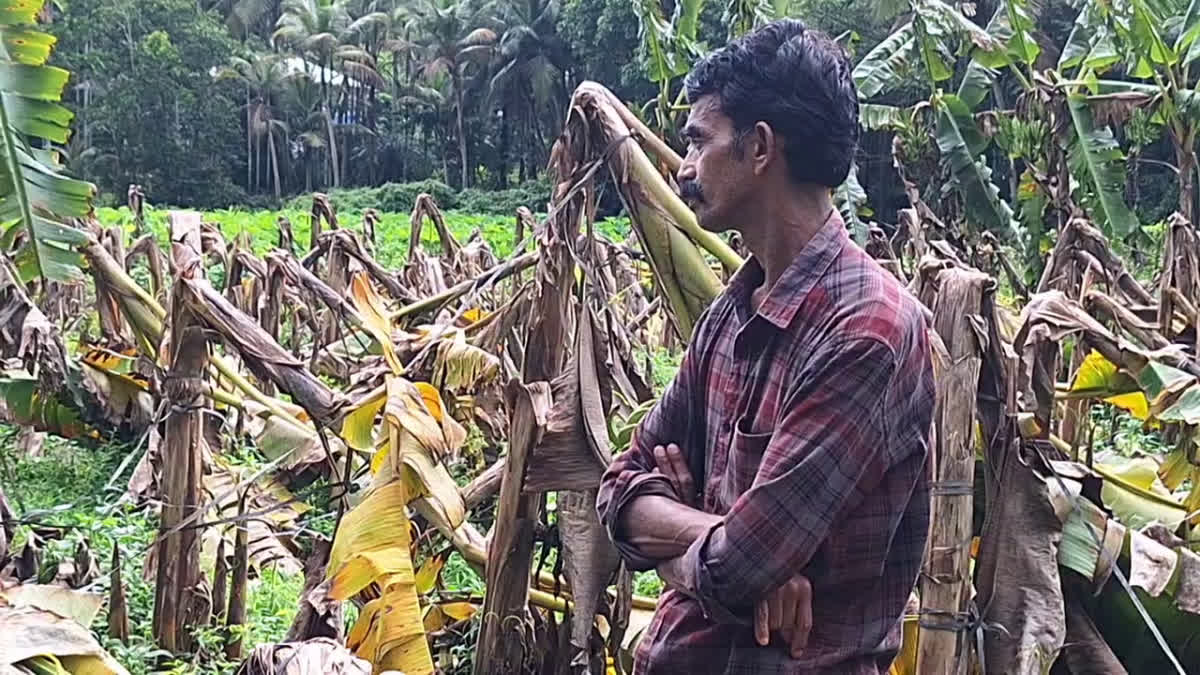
(762, 632)
(803, 619)
(680, 467)
(775, 607)
(787, 618)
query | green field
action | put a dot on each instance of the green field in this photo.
(391, 234)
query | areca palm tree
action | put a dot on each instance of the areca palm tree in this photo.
(263, 77)
(309, 142)
(319, 30)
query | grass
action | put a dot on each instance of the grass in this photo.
(63, 489)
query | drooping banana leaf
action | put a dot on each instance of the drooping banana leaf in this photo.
(1090, 43)
(32, 191)
(1097, 163)
(1189, 30)
(1020, 47)
(961, 144)
(22, 403)
(1164, 578)
(883, 68)
(880, 117)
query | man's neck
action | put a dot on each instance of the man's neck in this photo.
(785, 226)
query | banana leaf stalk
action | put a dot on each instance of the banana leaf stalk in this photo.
(685, 219)
(665, 226)
(147, 315)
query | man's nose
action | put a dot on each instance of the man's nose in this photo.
(687, 171)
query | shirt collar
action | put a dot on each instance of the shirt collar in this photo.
(789, 292)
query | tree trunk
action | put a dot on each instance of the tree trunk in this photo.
(1185, 158)
(333, 150)
(462, 137)
(181, 597)
(506, 635)
(946, 579)
(274, 159)
(249, 137)
(236, 615)
(505, 147)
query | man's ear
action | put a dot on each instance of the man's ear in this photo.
(765, 147)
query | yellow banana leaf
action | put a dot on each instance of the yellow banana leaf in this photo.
(1099, 378)
(461, 366)
(372, 547)
(374, 317)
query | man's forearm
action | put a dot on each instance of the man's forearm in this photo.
(663, 528)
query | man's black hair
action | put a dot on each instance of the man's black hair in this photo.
(796, 80)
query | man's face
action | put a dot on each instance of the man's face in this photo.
(716, 175)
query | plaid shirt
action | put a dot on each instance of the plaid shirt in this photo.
(809, 422)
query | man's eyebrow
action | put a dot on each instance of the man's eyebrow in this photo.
(692, 131)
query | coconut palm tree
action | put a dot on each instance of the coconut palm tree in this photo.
(527, 75)
(456, 38)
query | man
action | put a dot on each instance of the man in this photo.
(780, 485)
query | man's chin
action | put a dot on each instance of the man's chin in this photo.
(708, 220)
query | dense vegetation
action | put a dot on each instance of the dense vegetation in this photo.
(224, 102)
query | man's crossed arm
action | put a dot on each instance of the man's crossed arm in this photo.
(827, 450)
(664, 529)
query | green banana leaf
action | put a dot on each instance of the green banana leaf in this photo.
(23, 404)
(33, 191)
(1097, 162)
(961, 143)
(1172, 607)
(851, 199)
(885, 67)
(1020, 47)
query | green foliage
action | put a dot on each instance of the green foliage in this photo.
(1097, 161)
(392, 233)
(64, 489)
(160, 122)
(647, 583)
(396, 197)
(533, 195)
(400, 197)
(32, 187)
(961, 143)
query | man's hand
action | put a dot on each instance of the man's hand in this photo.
(788, 610)
(673, 466)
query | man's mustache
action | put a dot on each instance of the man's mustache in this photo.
(690, 191)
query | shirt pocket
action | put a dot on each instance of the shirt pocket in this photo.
(746, 454)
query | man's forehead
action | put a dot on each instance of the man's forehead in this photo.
(705, 112)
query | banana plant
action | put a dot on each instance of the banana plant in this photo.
(928, 46)
(742, 16)
(1155, 45)
(34, 193)
(668, 48)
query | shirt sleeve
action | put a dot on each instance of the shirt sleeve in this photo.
(631, 473)
(827, 451)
